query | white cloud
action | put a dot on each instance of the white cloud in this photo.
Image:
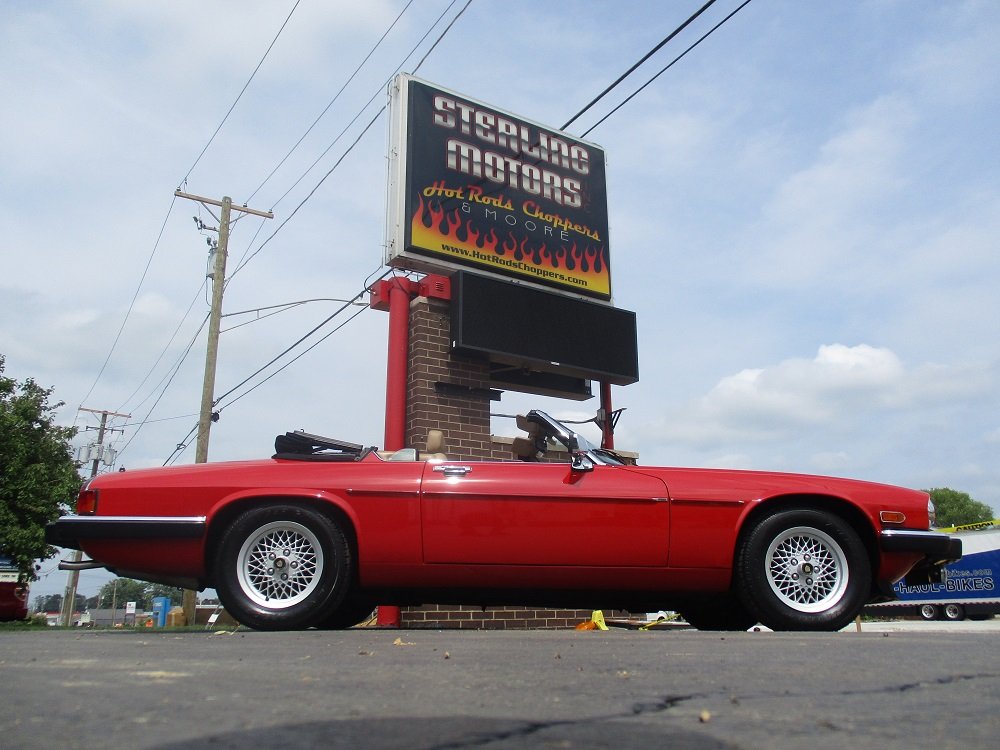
(839, 387)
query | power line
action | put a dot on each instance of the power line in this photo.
(135, 296)
(163, 351)
(293, 360)
(310, 195)
(242, 91)
(447, 29)
(247, 258)
(173, 374)
(666, 67)
(182, 445)
(377, 93)
(157, 421)
(643, 59)
(332, 101)
(301, 339)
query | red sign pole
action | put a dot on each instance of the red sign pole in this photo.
(394, 296)
(396, 369)
(395, 395)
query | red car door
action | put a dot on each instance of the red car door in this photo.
(542, 514)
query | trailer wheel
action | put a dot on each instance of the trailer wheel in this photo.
(954, 612)
(928, 611)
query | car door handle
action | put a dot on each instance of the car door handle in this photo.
(451, 470)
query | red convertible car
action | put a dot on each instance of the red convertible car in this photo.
(324, 530)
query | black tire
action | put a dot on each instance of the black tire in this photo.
(718, 613)
(954, 612)
(353, 610)
(803, 569)
(282, 567)
(929, 611)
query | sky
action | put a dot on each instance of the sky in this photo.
(804, 210)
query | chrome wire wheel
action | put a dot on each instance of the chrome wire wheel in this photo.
(807, 569)
(280, 564)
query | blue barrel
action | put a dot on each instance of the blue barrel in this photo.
(161, 605)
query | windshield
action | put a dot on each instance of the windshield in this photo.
(554, 430)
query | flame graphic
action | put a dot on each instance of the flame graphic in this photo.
(439, 231)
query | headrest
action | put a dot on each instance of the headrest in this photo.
(435, 441)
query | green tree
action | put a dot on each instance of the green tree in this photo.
(956, 508)
(38, 475)
(48, 603)
(122, 590)
(175, 595)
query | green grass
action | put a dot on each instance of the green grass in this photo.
(34, 621)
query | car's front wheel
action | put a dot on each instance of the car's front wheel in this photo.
(803, 569)
(282, 567)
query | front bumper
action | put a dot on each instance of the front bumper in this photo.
(937, 549)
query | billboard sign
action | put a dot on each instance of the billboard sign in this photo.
(472, 186)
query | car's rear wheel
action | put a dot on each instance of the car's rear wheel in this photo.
(282, 567)
(954, 612)
(718, 613)
(928, 611)
(803, 569)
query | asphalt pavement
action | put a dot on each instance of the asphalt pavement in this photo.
(936, 685)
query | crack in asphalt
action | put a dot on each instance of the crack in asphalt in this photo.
(533, 727)
(949, 680)
(525, 730)
(901, 688)
(660, 705)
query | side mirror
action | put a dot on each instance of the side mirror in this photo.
(581, 462)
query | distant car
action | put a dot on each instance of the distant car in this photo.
(13, 592)
(324, 530)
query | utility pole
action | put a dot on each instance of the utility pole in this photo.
(218, 275)
(69, 598)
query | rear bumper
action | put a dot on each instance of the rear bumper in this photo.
(71, 531)
(936, 548)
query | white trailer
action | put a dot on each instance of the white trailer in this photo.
(969, 587)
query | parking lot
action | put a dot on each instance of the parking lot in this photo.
(926, 684)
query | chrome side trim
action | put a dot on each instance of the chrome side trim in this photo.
(704, 503)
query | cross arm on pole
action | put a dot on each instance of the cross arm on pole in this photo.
(214, 202)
